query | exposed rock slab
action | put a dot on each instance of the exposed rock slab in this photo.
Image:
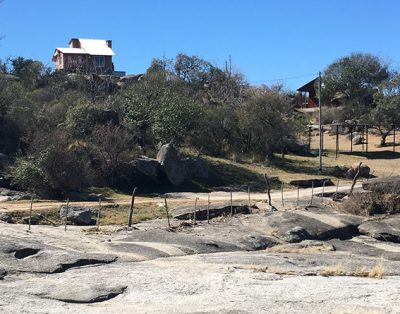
(387, 229)
(82, 293)
(297, 226)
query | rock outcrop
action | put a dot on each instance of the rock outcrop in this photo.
(171, 165)
(387, 229)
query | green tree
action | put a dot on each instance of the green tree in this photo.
(268, 122)
(353, 79)
(386, 113)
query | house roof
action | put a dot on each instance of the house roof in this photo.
(93, 47)
(308, 86)
(72, 50)
(96, 47)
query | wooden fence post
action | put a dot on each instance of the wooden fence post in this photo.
(268, 189)
(131, 208)
(208, 209)
(283, 202)
(312, 191)
(66, 215)
(195, 210)
(166, 209)
(30, 213)
(355, 179)
(231, 205)
(248, 192)
(98, 215)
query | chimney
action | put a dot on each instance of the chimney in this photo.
(74, 43)
(109, 43)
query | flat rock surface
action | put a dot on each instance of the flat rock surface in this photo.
(238, 264)
(295, 226)
(387, 229)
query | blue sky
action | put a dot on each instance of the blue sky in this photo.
(266, 40)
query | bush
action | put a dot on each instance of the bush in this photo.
(371, 203)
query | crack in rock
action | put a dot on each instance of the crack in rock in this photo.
(3, 273)
(25, 252)
(62, 267)
(93, 294)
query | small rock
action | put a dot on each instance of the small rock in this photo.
(35, 220)
(296, 234)
(6, 217)
(78, 215)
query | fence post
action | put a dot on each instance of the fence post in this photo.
(30, 214)
(131, 208)
(208, 209)
(337, 188)
(337, 140)
(366, 138)
(231, 205)
(298, 194)
(312, 191)
(98, 215)
(195, 210)
(166, 209)
(248, 192)
(66, 215)
(351, 139)
(283, 202)
(394, 138)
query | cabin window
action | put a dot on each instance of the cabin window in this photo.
(99, 61)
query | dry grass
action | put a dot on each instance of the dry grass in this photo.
(377, 271)
(296, 249)
(335, 270)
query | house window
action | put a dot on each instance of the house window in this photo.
(99, 61)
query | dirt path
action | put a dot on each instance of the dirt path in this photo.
(181, 198)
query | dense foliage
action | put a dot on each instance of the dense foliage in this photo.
(66, 132)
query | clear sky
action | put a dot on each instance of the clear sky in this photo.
(266, 39)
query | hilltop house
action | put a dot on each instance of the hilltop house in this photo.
(85, 56)
(307, 95)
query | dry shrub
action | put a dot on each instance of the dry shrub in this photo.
(335, 270)
(378, 271)
(371, 203)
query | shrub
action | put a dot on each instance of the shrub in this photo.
(371, 203)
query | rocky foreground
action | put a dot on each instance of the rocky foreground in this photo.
(309, 259)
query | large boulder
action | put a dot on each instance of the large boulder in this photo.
(357, 140)
(364, 171)
(387, 229)
(299, 148)
(296, 226)
(78, 215)
(12, 195)
(171, 165)
(196, 168)
(146, 166)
